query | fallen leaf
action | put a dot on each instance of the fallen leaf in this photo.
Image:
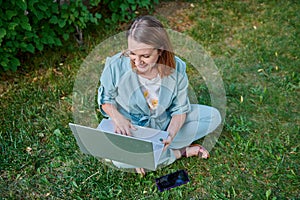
(57, 72)
(28, 149)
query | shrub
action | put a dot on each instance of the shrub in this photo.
(122, 11)
(29, 26)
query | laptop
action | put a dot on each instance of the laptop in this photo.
(141, 150)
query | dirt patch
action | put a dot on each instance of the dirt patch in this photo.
(177, 14)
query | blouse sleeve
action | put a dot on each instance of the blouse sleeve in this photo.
(181, 103)
(107, 91)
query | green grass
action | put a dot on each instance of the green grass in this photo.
(255, 44)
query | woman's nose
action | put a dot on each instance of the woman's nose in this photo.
(137, 60)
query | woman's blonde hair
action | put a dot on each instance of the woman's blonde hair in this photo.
(148, 30)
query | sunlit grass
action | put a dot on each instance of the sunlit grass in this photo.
(256, 47)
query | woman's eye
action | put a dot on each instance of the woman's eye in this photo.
(146, 56)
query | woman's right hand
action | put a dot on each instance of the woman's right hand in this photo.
(122, 125)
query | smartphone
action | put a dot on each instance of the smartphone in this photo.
(172, 180)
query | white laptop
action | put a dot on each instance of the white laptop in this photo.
(143, 149)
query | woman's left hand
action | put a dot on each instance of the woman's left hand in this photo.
(167, 142)
(175, 125)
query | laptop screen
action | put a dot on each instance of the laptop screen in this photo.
(126, 149)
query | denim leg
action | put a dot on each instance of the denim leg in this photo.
(200, 121)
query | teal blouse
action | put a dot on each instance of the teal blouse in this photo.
(120, 87)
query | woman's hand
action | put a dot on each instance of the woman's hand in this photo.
(175, 125)
(122, 125)
(167, 142)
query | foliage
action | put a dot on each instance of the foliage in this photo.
(122, 11)
(30, 26)
(255, 45)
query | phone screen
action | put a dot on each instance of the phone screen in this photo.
(172, 180)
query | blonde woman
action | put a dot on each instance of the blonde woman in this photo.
(147, 85)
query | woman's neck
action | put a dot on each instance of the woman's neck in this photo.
(151, 74)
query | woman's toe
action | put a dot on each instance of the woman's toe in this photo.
(203, 152)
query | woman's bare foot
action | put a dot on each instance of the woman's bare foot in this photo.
(140, 171)
(192, 150)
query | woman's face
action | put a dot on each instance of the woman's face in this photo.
(143, 55)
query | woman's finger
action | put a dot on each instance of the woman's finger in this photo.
(128, 132)
(133, 127)
(166, 146)
(167, 142)
(118, 131)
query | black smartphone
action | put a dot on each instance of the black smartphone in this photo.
(172, 180)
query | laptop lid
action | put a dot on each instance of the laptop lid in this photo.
(130, 150)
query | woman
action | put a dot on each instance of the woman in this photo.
(147, 85)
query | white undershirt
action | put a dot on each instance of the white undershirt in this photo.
(150, 90)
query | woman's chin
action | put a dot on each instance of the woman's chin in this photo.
(142, 70)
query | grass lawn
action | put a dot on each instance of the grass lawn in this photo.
(255, 45)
